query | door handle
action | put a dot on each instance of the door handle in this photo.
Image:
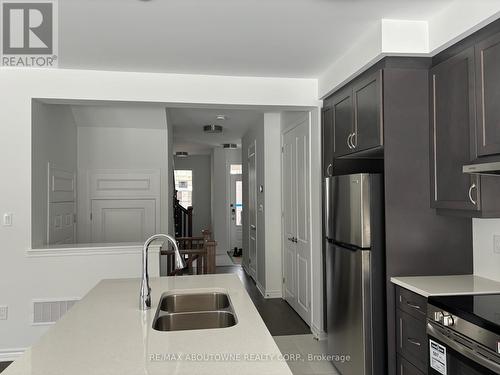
(413, 341)
(349, 142)
(412, 305)
(473, 186)
(329, 170)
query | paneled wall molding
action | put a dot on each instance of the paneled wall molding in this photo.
(124, 183)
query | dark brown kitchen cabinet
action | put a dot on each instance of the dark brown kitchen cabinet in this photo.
(368, 130)
(343, 122)
(452, 116)
(488, 96)
(327, 139)
(411, 332)
(357, 116)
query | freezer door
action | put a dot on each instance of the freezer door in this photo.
(348, 310)
(350, 209)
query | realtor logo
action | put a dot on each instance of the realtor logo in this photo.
(29, 33)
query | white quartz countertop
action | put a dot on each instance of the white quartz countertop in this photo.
(106, 333)
(447, 285)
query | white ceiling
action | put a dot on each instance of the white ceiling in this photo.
(188, 127)
(281, 38)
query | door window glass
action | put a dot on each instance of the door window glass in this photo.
(236, 169)
(184, 187)
(239, 202)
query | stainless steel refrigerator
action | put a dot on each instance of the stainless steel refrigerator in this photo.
(355, 273)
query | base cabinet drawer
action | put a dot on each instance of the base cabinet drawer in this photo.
(406, 368)
(412, 339)
(411, 303)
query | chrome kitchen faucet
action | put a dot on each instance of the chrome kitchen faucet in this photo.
(145, 297)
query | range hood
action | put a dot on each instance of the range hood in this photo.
(492, 168)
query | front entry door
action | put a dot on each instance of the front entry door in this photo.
(235, 211)
(296, 218)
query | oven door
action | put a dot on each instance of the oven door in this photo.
(453, 354)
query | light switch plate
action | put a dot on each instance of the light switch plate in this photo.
(7, 219)
(4, 310)
(496, 244)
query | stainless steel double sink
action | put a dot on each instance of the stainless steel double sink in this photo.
(187, 311)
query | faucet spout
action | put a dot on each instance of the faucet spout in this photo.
(145, 296)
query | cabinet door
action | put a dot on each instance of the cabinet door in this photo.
(327, 141)
(488, 96)
(367, 97)
(452, 118)
(343, 123)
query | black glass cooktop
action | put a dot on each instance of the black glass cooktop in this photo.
(482, 310)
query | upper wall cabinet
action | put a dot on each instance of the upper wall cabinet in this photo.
(465, 128)
(367, 97)
(452, 116)
(343, 122)
(488, 96)
(327, 140)
(357, 116)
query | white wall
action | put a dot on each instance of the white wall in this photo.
(486, 260)
(267, 137)
(221, 160)
(255, 134)
(272, 204)
(54, 141)
(410, 38)
(25, 277)
(200, 166)
(119, 148)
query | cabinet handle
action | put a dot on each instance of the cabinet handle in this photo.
(413, 306)
(329, 170)
(353, 142)
(414, 342)
(349, 141)
(473, 186)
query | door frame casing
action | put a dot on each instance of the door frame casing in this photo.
(284, 131)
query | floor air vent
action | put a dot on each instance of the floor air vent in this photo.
(46, 312)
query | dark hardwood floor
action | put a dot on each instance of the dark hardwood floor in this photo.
(278, 316)
(3, 365)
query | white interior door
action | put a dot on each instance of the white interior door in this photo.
(122, 220)
(235, 211)
(296, 220)
(252, 212)
(61, 225)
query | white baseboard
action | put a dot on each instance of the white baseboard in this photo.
(273, 294)
(261, 289)
(318, 334)
(9, 355)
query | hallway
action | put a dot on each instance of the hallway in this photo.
(278, 316)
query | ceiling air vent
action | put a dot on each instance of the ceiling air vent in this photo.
(230, 145)
(212, 129)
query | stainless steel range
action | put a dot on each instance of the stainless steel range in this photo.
(464, 335)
